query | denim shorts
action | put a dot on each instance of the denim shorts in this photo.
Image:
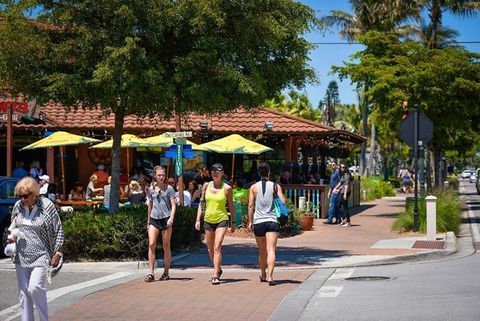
(261, 229)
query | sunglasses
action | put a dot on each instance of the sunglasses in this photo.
(24, 195)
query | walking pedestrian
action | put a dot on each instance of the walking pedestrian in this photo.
(215, 195)
(160, 216)
(262, 217)
(40, 248)
(332, 206)
(343, 192)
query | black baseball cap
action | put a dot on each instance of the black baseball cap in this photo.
(216, 167)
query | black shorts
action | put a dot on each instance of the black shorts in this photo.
(261, 229)
(159, 223)
(213, 226)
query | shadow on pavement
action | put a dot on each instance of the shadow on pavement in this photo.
(246, 255)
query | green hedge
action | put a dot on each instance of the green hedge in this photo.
(448, 214)
(376, 187)
(96, 235)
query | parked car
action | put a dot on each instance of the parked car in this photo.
(466, 173)
(473, 177)
(7, 200)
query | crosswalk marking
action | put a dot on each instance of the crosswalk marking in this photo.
(329, 291)
(13, 312)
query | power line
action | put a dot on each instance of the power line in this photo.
(359, 43)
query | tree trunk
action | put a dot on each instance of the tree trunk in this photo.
(436, 165)
(363, 146)
(435, 15)
(116, 157)
(428, 170)
(371, 170)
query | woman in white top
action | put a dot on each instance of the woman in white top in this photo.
(264, 221)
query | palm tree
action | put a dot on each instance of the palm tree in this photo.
(369, 15)
(446, 37)
(436, 8)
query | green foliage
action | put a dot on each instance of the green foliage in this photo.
(292, 227)
(376, 187)
(448, 214)
(453, 182)
(95, 235)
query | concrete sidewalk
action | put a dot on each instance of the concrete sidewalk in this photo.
(312, 256)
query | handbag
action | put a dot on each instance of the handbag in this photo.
(279, 207)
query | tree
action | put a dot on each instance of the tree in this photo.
(444, 83)
(330, 101)
(160, 58)
(436, 8)
(296, 104)
(371, 15)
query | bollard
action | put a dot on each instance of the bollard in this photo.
(301, 202)
(364, 195)
(431, 218)
(445, 184)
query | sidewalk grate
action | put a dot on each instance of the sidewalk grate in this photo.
(429, 245)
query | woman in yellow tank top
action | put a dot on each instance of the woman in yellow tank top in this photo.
(215, 195)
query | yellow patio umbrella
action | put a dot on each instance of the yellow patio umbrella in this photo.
(61, 139)
(156, 143)
(235, 144)
(128, 141)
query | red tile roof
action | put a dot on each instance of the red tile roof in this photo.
(240, 121)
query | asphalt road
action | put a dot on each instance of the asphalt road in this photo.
(447, 289)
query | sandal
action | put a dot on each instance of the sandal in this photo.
(149, 278)
(215, 280)
(220, 273)
(271, 283)
(262, 278)
(164, 277)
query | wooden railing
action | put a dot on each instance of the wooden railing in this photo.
(316, 196)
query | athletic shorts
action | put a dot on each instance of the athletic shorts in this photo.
(261, 229)
(213, 226)
(159, 223)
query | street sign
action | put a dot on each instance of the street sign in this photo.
(179, 160)
(180, 140)
(425, 129)
(178, 134)
(187, 152)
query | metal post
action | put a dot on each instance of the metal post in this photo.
(415, 148)
(9, 139)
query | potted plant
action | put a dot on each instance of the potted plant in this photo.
(306, 218)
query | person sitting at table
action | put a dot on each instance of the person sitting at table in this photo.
(91, 190)
(136, 195)
(77, 193)
(106, 193)
(52, 192)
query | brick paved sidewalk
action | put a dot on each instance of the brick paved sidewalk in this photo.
(190, 296)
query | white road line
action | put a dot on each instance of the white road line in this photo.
(341, 274)
(329, 291)
(14, 311)
(475, 230)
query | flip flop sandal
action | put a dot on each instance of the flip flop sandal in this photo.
(149, 278)
(215, 280)
(220, 273)
(262, 278)
(271, 283)
(164, 277)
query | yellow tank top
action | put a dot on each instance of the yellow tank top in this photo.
(215, 210)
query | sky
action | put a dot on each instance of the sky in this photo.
(325, 56)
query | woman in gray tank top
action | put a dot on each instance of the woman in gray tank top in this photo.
(263, 221)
